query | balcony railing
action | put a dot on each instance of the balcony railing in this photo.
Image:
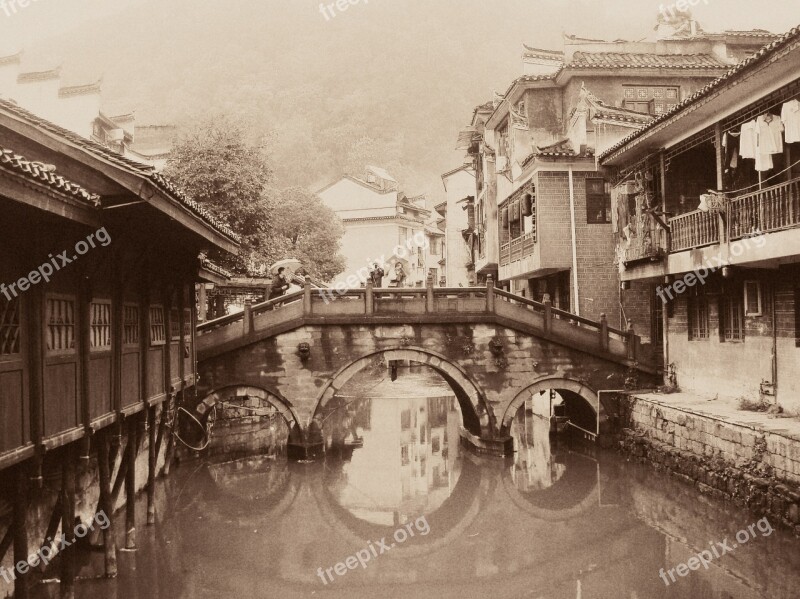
(693, 230)
(770, 209)
(518, 248)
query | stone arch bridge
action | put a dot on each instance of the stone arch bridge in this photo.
(495, 350)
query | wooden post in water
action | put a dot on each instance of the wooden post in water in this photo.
(106, 504)
(67, 556)
(152, 464)
(20, 524)
(130, 488)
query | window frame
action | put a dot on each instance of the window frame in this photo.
(605, 203)
(727, 304)
(61, 297)
(126, 326)
(155, 309)
(101, 301)
(697, 318)
(20, 329)
(758, 296)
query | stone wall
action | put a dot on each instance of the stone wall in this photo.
(754, 468)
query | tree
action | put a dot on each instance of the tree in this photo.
(309, 231)
(217, 166)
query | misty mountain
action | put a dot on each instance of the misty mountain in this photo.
(389, 82)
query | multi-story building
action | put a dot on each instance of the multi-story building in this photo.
(458, 220)
(714, 234)
(77, 106)
(542, 206)
(382, 225)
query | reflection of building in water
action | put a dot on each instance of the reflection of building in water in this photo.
(535, 466)
(408, 463)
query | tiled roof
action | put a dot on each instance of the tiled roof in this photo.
(215, 268)
(748, 33)
(790, 36)
(80, 90)
(32, 76)
(529, 78)
(619, 60)
(133, 166)
(560, 149)
(615, 113)
(44, 174)
(542, 53)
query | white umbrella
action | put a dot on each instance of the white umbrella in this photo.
(290, 264)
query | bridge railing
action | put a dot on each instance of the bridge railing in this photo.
(419, 303)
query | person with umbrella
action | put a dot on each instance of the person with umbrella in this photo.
(280, 284)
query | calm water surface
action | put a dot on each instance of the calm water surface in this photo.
(553, 522)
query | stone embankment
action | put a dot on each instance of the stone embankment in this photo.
(746, 458)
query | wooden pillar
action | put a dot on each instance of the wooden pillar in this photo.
(84, 359)
(106, 504)
(719, 155)
(68, 565)
(202, 300)
(430, 303)
(152, 465)
(20, 524)
(130, 487)
(35, 317)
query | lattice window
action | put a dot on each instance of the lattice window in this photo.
(731, 317)
(130, 325)
(698, 317)
(9, 327)
(157, 332)
(100, 325)
(598, 202)
(174, 324)
(60, 324)
(187, 323)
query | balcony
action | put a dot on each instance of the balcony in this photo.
(693, 230)
(766, 210)
(518, 248)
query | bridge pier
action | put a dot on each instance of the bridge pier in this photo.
(305, 445)
(487, 445)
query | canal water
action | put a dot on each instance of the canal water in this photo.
(399, 509)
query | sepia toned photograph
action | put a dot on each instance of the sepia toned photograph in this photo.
(411, 299)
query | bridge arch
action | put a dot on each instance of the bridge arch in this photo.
(581, 401)
(474, 407)
(280, 403)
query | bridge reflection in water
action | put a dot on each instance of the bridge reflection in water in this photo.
(550, 523)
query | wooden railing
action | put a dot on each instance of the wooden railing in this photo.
(517, 248)
(423, 305)
(692, 230)
(766, 210)
(770, 209)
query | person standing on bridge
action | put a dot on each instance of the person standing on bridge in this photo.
(377, 275)
(399, 274)
(279, 284)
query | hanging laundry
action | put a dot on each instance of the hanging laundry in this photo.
(747, 140)
(769, 129)
(763, 162)
(790, 115)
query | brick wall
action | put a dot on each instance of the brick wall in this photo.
(597, 275)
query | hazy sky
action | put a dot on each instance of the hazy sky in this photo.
(45, 18)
